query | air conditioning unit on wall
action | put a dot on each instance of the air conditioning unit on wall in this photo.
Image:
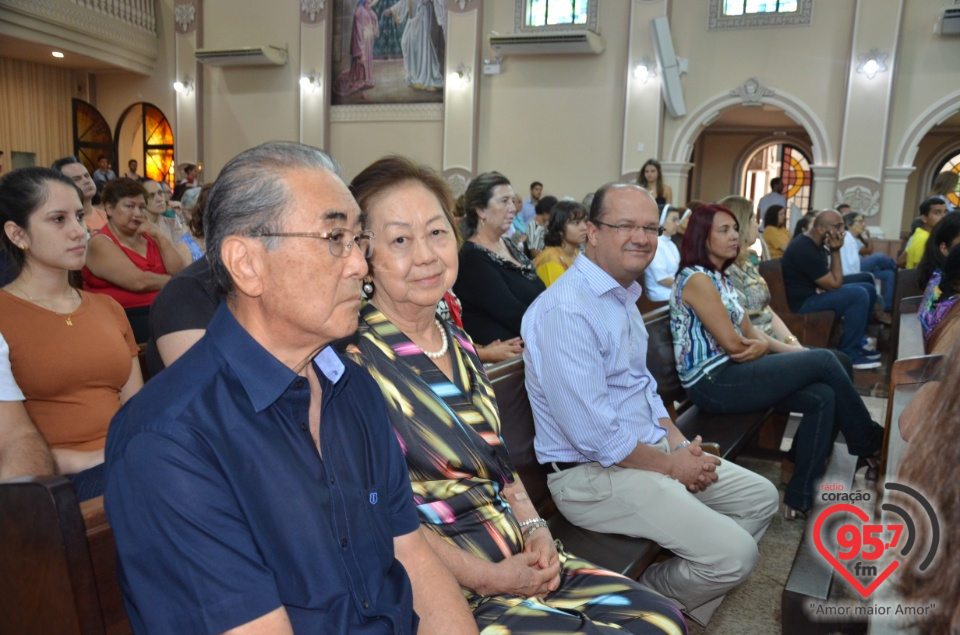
(549, 43)
(246, 56)
(949, 22)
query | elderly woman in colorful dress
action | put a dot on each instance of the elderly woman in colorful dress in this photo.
(473, 508)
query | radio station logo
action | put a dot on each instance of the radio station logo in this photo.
(857, 547)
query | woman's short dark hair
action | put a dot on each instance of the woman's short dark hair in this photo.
(22, 192)
(804, 223)
(545, 205)
(478, 196)
(121, 188)
(389, 172)
(562, 214)
(945, 232)
(771, 217)
(850, 218)
(693, 249)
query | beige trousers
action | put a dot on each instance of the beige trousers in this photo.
(713, 533)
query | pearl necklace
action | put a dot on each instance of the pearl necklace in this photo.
(67, 316)
(443, 349)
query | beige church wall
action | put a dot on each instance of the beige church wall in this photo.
(925, 93)
(115, 91)
(246, 106)
(717, 155)
(556, 119)
(801, 61)
(927, 72)
(358, 144)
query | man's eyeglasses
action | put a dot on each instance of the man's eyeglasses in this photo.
(650, 230)
(339, 241)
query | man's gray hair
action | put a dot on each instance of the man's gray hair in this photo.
(250, 196)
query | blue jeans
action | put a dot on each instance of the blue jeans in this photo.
(811, 382)
(88, 483)
(854, 303)
(884, 269)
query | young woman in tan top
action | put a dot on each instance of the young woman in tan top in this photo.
(72, 353)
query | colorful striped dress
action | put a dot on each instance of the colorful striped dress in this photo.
(458, 465)
(696, 351)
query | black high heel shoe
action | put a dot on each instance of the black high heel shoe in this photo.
(873, 467)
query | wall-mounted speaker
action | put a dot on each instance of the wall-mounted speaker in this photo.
(669, 64)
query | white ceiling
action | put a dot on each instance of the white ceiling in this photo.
(19, 49)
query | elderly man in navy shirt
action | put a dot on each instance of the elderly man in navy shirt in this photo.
(256, 486)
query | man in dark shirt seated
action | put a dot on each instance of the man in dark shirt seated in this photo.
(180, 314)
(814, 283)
(233, 509)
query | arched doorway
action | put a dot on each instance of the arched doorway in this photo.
(144, 133)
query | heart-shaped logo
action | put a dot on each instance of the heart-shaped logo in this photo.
(865, 591)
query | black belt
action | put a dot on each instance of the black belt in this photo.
(557, 466)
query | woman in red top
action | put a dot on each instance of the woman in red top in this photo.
(130, 259)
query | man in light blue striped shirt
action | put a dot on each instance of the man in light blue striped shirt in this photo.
(618, 463)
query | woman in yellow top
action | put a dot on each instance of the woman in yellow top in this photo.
(775, 232)
(566, 231)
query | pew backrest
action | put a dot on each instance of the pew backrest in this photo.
(49, 582)
(910, 334)
(906, 377)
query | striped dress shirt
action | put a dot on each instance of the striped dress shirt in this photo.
(585, 355)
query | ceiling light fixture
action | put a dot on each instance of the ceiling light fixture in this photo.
(57, 54)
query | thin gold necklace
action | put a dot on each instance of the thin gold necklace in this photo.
(68, 316)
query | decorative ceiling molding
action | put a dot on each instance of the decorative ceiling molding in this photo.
(186, 16)
(387, 112)
(752, 92)
(803, 16)
(313, 11)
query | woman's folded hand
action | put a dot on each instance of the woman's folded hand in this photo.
(520, 575)
(755, 350)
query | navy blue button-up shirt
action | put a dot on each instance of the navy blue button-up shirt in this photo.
(223, 510)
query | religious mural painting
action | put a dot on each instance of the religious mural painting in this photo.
(388, 51)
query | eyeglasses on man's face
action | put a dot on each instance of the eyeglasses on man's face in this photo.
(339, 241)
(631, 230)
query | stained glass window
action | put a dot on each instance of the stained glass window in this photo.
(952, 164)
(796, 174)
(787, 162)
(158, 145)
(556, 12)
(91, 135)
